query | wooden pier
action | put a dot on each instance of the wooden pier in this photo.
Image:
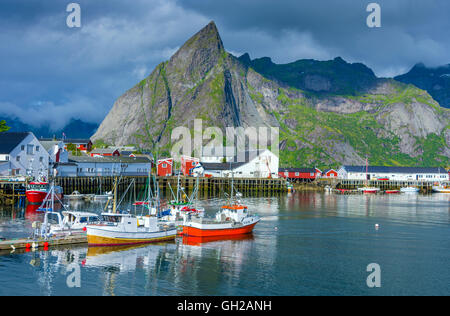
(207, 186)
(423, 186)
(28, 243)
(12, 192)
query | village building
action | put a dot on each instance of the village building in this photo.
(300, 174)
(105, 152)
(330, 174)
(56, 151)
(393, 173)
(255, 164)
(83, 144)
(21, 154)
(164, 167)
(85, 166)
(187, 164)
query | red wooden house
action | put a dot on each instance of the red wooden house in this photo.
(105, 152)
(330, 173)
(164, 167)
(299, 174)
(187, 163)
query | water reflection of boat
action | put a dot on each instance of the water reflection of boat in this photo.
(197, 241)
(127, 258)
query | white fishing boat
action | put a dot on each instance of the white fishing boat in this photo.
(441, 189)
(75, 196)
(123, 228)
(126, 229)
(105, 196)
(67, 222)
(409, 190)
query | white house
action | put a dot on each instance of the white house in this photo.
(393, 173)
(249, 164)
(21, 153)
(56, 150)
(85, 166)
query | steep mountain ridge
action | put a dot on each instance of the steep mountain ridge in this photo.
(436, 81)
(329, 113)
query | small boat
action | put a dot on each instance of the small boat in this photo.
(67, 222)
(409, 190)
(75, 196)
(290, 187)
(36, 192)
(106, 196)
(441, 189)
(369, 190)
(392, 191)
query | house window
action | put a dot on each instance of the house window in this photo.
(37, 148)
(164, 165)
(297, 174)
(30, 149)
(7, 158)
(18, 158)
(22, 147)
(41, 159)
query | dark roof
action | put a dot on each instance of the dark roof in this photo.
(69, 140)
(221, 166)
(383, 169)
(310, 170)
(10, 140)
(104, 150)
(117, 159)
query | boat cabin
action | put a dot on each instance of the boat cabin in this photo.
(232, 212)
(129, 222)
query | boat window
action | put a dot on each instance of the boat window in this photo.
(93, 219)
(52, 218)
(83, 220)
(112, 219)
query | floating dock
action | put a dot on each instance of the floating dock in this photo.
(30, 243)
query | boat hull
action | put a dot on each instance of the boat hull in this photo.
(205, 232)
(39, 196)
(98, 237)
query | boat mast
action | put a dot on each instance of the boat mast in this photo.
(115, 195)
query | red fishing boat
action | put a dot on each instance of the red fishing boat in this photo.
(37, 191)
(231, 220)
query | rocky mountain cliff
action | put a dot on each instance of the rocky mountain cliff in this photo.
(329, 112)
(436, 81)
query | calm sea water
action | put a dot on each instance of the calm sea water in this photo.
(305, 244)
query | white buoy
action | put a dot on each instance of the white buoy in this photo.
(377, 226)
(276, 228)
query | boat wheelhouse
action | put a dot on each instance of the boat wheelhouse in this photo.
(36, 192)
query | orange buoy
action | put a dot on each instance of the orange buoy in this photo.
(46, 244)
(28, 246)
